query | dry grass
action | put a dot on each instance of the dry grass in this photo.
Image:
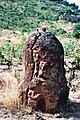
(10, 91)
(10, 97)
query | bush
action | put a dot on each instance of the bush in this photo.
(72, 49)
(69, 48)
(8, 50)
(1, 56)
(61, 31)
(27, 14)
(58, 31)
(76, 30)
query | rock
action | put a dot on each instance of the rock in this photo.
(58, 115)
(44, 86)
(64, 119)
(71, 118)
(38, 116)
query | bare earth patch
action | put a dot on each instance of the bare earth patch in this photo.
(9, 35)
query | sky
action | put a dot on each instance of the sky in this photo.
(77, 2)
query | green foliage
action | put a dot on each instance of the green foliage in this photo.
(9, 50)
(18, 48)
(77, 52)
(61, 31)
(76, 30)
(69, 48)
(18, 51)
(1, 56)
(26, 15)
(72, 49)
(57, 31)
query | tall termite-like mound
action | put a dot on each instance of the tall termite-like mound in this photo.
(44, 86)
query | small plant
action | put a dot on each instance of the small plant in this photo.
(7, 52)
(76, 30)
(61, 31)
(57, 31)
(72, 49)
(69, 48)
(1, 56)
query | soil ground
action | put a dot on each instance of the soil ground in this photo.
(72, 111)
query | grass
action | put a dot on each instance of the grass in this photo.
(10, 91)
(27, 15)
(10, 94)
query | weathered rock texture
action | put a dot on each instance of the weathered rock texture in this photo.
(44, 87)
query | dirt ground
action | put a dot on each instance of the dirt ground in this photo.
(72, 111)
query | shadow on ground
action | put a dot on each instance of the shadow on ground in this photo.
(73, 110)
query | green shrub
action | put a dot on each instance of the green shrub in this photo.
(18, 51)
(69, 48)
(7, 51)
(61, 31)
(76, 30)
(72, 49)
(26, 15)
(1, 56)
(57, 31)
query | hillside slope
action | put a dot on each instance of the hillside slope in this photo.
(19, 17)
(26, 15)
